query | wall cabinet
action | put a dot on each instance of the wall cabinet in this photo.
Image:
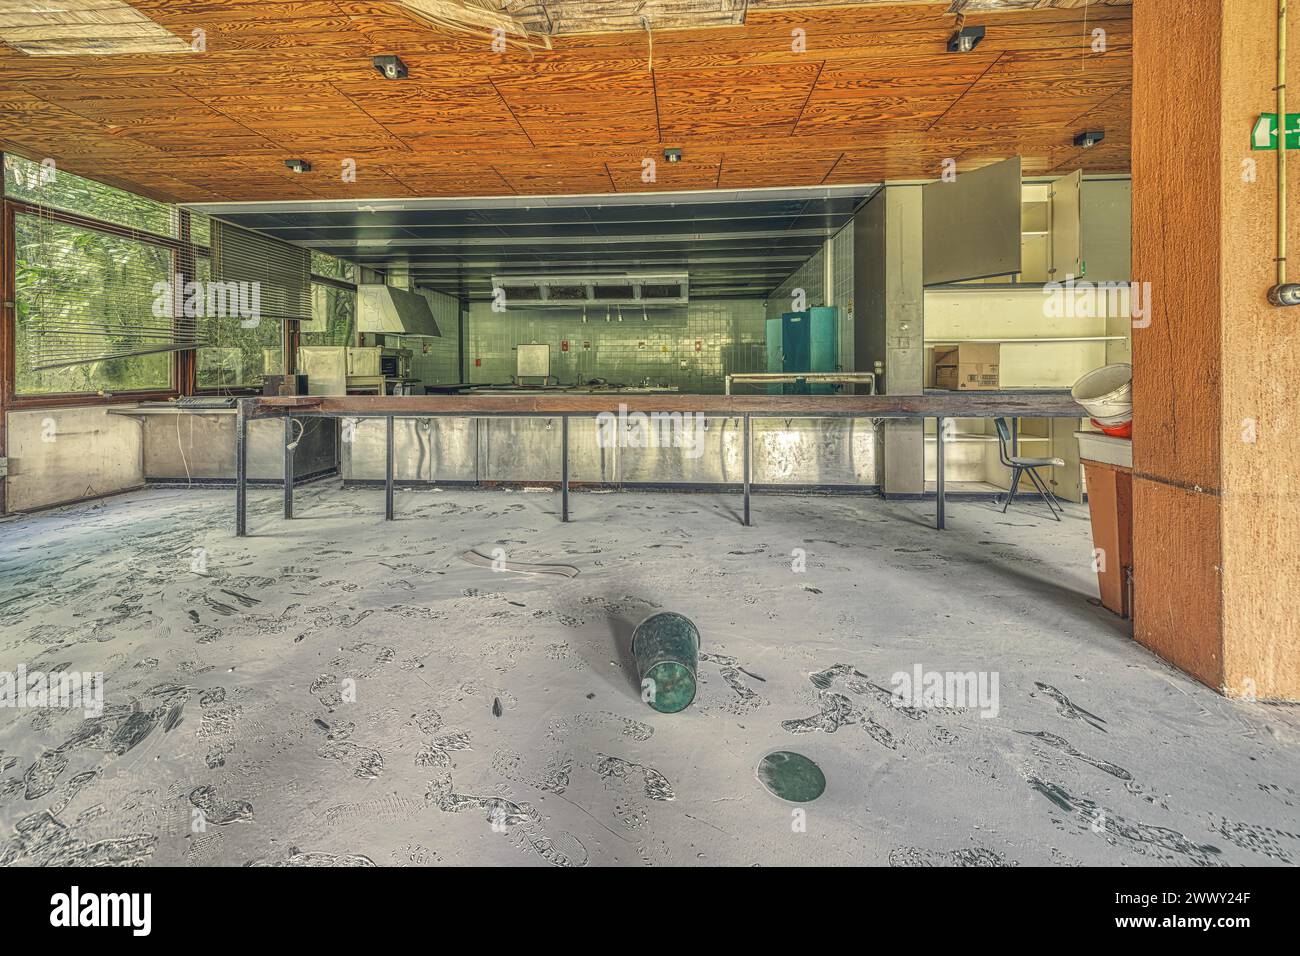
(1068, 227)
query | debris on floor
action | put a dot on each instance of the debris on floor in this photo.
(333, 692)
(499, 563)
(791, 776)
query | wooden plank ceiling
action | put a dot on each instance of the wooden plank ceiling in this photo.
(872, 96)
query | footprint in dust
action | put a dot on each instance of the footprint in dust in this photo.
(553, 778)
(911, 856)
(1068, 709)
(1063, 745)
(297, 857)
(43, 774)
(564, 849)
(731, 672)
(653, 852)
(655, 784)
(1142, 838)
(220, 811)
(1265, 841)
(367, 763)
(838, 711)
(562, 727)
(498, 811)
(437, 752)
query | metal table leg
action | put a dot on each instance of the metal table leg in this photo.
(241, 469)
(288, 465)
(938, 473)
(564, 467)
(744, 454)
(388, 473)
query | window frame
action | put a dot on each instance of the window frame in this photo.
(181, 253)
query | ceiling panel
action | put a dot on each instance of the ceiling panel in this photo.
(583, 109)
(426, 115)
(870, 93)
(866, 96)
(754, 100)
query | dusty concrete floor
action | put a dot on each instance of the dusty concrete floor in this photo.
(224, 690)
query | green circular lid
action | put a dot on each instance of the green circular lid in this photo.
(791, 776)
(674, 687)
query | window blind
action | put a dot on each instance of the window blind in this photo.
(279, 272)
(89, 299)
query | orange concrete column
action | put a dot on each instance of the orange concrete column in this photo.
(1216, 525)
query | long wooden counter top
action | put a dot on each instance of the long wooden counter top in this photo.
(1005, 404)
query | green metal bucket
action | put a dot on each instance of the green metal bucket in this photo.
(666, 647)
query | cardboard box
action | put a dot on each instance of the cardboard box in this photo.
(967, 367)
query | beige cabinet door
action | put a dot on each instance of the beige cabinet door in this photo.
(1066, 483)
(971, 225)
(1066, 257)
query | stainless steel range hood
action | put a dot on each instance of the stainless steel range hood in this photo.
(386, 310)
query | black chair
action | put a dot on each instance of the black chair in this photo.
(1020, 465)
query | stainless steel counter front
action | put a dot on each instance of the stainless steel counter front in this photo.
(795, 452)
(786, 450)
(199, 445)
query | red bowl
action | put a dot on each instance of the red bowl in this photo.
(1116, 431)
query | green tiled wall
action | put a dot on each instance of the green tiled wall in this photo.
(691, 347)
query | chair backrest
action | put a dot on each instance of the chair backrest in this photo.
(1004, 440)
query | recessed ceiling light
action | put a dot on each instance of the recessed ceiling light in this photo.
(298, 165)
(1089, 139)
(391, 67)
(965, 39)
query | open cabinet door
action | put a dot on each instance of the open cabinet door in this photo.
(1066, 258)
(1066, 483)
(971, 226)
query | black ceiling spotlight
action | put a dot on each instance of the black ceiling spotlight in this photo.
(673, 155)
(965, 39)
(1089, 139)
(390, 66)
(298, 165)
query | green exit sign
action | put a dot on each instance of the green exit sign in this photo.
(1264, 135)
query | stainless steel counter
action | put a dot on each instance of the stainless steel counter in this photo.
(799, 452)
(199, 445)
(524, 421)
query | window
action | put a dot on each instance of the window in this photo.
(200, 229)
(237, 356)
(330, 267)
(333, 317)
(80, 292)
(43, 184)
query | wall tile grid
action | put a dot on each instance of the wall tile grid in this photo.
(691, 347)
(811, 277)
(440, 364)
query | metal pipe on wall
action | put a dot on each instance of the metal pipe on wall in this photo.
(1284, 293)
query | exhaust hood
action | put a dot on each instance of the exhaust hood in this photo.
(622, 288)
(387, 310)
